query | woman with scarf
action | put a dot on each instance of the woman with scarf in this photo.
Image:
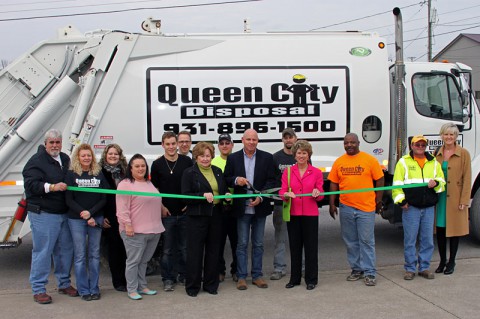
(114, 165)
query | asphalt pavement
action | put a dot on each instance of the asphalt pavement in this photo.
(447, 296)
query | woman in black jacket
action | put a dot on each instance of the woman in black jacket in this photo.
(114, 165)
(204, 221)
(85, 211)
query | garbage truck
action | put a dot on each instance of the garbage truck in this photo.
(129, 88)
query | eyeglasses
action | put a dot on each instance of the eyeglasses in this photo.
(224, 143)
(420, 145)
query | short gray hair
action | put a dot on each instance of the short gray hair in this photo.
(53, 133)
(449, 127)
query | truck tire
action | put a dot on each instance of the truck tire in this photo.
(475, 216)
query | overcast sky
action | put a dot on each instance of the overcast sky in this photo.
(452, 18)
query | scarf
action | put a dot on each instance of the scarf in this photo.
(115, 171)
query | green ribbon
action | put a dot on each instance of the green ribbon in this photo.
(122, 192)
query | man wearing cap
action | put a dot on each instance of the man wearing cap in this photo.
(229, 222)
(281, 159)
(357, 170)
(247, 171)
(418, 203)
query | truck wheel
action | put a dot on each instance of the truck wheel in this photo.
(475, 216)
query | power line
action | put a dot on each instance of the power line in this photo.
(444, 33)
(126, 10)
(365, 17)
(80, 6)
(28, 3)
(456, 25)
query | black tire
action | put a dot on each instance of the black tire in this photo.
(475, 216)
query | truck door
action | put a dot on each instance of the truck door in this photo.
(438, 99)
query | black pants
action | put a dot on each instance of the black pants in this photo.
(116, 256)
(442, 245)
(303, 235)
(203, 248)
(229, 228)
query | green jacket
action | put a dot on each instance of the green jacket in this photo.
(407, 172)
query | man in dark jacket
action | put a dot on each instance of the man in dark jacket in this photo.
(248, 170)
(45, 193)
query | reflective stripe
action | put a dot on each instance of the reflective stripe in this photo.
(11, 183)
(399, 198)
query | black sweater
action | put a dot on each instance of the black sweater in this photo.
(170, 183)
(80, 201)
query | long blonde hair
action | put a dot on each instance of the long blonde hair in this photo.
(75, 165)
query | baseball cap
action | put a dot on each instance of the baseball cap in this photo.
(224, 137)
(418, 138)
(288, 131)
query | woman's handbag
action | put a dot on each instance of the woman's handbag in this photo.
(287, 204)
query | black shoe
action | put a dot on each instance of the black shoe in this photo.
(192, 293)
(87, 297)
(121, 288)
(440, 268)
(212, 292)
(290, 285)
(96, 296)
(450, 268)
(311, 286)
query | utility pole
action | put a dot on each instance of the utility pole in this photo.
(430, 23)
(432, 19)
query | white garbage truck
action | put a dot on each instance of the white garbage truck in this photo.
(129, 88)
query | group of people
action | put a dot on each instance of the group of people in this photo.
(200, 212)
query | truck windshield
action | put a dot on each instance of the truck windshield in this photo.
(437, 96)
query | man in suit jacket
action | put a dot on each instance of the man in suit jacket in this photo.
(255, 167)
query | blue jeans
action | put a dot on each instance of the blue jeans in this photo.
(86, 246)
(174, 247)
(279, 262)
(50, 237)
(257, 226)
(358, 233)
(418, 223)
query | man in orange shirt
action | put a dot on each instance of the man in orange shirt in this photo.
(356, 170)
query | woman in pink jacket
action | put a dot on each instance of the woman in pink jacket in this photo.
(303, 225)
(140, 225)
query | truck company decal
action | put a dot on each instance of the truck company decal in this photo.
(210, 101)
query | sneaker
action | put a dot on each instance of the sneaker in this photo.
(409, 275)
(370, 280)
(181, 280)
(87, 297)
(427, 274)
(355, 275)
(276, 275)
(168, 285)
